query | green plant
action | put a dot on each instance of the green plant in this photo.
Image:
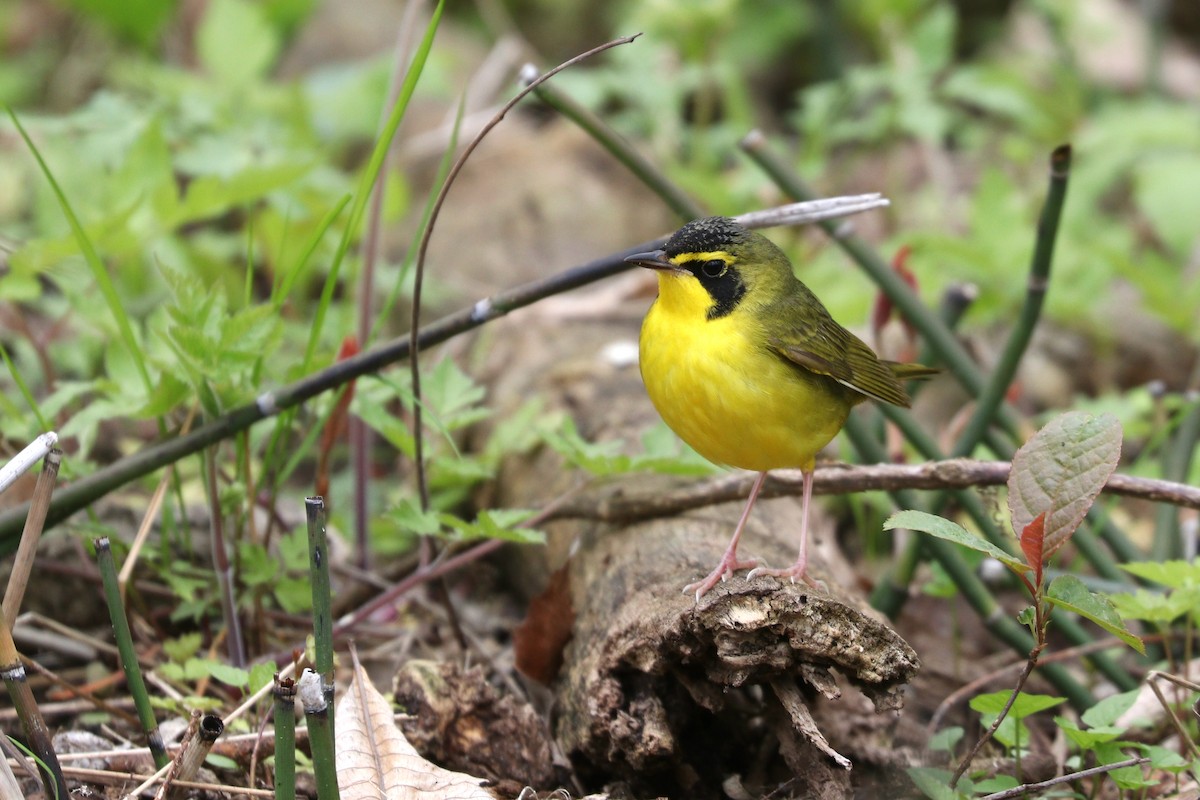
(1055, 478)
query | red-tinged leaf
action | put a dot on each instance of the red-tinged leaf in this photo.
(1032, 539)
(883, 308)
(1059, 472)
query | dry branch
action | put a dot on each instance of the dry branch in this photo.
(612, 504)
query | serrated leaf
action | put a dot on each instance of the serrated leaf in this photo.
(1067, 591)
(1059, 472)
(408, 515)
(951, 532)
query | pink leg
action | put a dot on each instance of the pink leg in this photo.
(729, 562)
(795, 570)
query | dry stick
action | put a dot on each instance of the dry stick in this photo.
(37, 735)
(1152, 679)
(1019, 791)
(34, 523)
(418, 278)
(19, 464)
(954, 473)
(99, 703)
(151, 514)
(192, 754)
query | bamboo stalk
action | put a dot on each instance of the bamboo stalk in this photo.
(129, 662)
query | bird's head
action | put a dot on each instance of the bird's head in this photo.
(716, 264)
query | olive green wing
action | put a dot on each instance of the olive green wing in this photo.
(805, 334)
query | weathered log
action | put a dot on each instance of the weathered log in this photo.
(658, 692)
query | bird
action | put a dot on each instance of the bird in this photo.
(746, 365)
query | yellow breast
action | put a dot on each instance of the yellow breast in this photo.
(724, 392)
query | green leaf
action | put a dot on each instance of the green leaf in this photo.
(1060, 470)
(409, 516)
(1126, 777)
(1025, 705)
(1175, 573)
(1151, 606)
(1067, 591)
(181, 648)
(1012, 729)
(934, 783)
(294, 595)
(140, 20)
(946, 738)
(951, 532)
(1110, 709)
(1166, 194)
(1087, 739)
(227, 674)
(498, 523)
(996, 783)
(235, 42)
(261, 674)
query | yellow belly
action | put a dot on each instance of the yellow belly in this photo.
(719, 387)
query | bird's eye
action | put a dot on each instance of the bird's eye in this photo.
(713, 269)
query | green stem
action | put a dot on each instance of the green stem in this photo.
(1177, 463)
(642, 168)
(318, 571)
(990, 399)
(314, 697)
(129, 662)
(973, 590)
(891, 592)
(285, 738)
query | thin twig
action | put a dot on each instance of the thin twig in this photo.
(22, 461)
(22, 567)
(1020, 791)
(418, 278)
(991, 731)
(832, 479)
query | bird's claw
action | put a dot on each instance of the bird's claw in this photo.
(793, 572)
(727, 566)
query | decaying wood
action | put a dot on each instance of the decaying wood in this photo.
(663, 694)
(457, 719)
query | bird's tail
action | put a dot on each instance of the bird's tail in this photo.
(910, 372)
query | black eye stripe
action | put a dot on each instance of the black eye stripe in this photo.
(713, 269)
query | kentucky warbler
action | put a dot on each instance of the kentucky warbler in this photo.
(745, 365)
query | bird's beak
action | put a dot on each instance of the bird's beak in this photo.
(654, 259)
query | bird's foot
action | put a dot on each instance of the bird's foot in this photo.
(728, 564)
(792, 573)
